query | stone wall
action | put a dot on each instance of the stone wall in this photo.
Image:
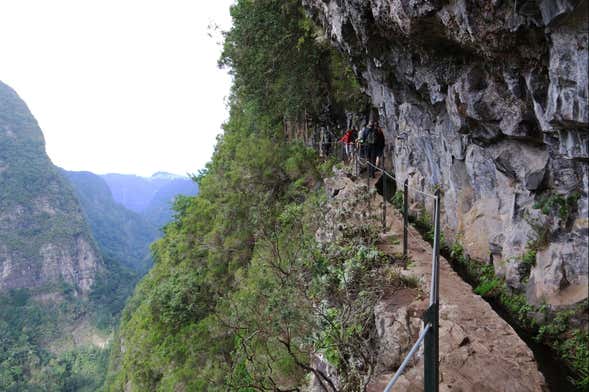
(488, 100)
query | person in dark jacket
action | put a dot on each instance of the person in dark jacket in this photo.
(369, 142)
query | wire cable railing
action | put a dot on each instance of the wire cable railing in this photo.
(429, 336)
(408, 358)
(430, 333)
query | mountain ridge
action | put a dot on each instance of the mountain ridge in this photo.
(38, 210)
(152, 197)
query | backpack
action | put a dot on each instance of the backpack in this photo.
(370, 137)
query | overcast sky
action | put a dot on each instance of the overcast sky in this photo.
(125, 86)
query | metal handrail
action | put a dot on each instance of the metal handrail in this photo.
(366, 161)
(430, 334)
(408, 358)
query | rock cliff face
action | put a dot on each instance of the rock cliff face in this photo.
(487, 100)
(44, 239)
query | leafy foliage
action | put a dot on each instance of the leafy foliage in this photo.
(558, 331)
(238, 297)
(281, 64)
(563, 206)
(27, 327)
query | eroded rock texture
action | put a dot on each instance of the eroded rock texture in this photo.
(487, 99)
(44, 239)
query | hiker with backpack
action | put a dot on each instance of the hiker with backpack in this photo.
(361, 141)
(369, 146)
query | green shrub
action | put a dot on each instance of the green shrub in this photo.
(410, 281)
(397, 200)
(563, 206)
(487, 286)
(529, 257)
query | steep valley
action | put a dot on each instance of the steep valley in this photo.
(50, 266)
(70, 256)
(152, 197)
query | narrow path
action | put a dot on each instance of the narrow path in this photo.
(479, 351)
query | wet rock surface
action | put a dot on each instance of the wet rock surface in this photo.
(488, 101)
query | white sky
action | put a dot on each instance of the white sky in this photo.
(125, 86)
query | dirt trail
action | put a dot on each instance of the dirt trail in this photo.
(479, 351)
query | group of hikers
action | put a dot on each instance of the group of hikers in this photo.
(369, 144)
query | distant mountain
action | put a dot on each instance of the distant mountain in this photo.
(152, 197)
(131, 191)
(166, 176)
(59, 296)
(68, 248)
(159, 209)
(121, 234)
(44, 238)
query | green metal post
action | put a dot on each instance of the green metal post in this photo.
(405, 216)
(430, 352)
(431, 376)
(357, 163)
(384, 197)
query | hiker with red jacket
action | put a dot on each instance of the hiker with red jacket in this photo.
(348, 140)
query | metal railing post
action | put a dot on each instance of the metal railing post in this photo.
(408, 358)
(356, 156)
(367, 175)
(431, 369)
(437, 238)
(405, 217)
(384, 197)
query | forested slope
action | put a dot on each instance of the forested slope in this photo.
(230, 300)
(59, 297)
(121, 234)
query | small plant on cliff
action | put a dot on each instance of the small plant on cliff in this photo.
(564, 206)
(487, 286)
(457, 252)
(527, 261)
(397, 200)
(424, 221)
(572, 344)
(529, 257)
